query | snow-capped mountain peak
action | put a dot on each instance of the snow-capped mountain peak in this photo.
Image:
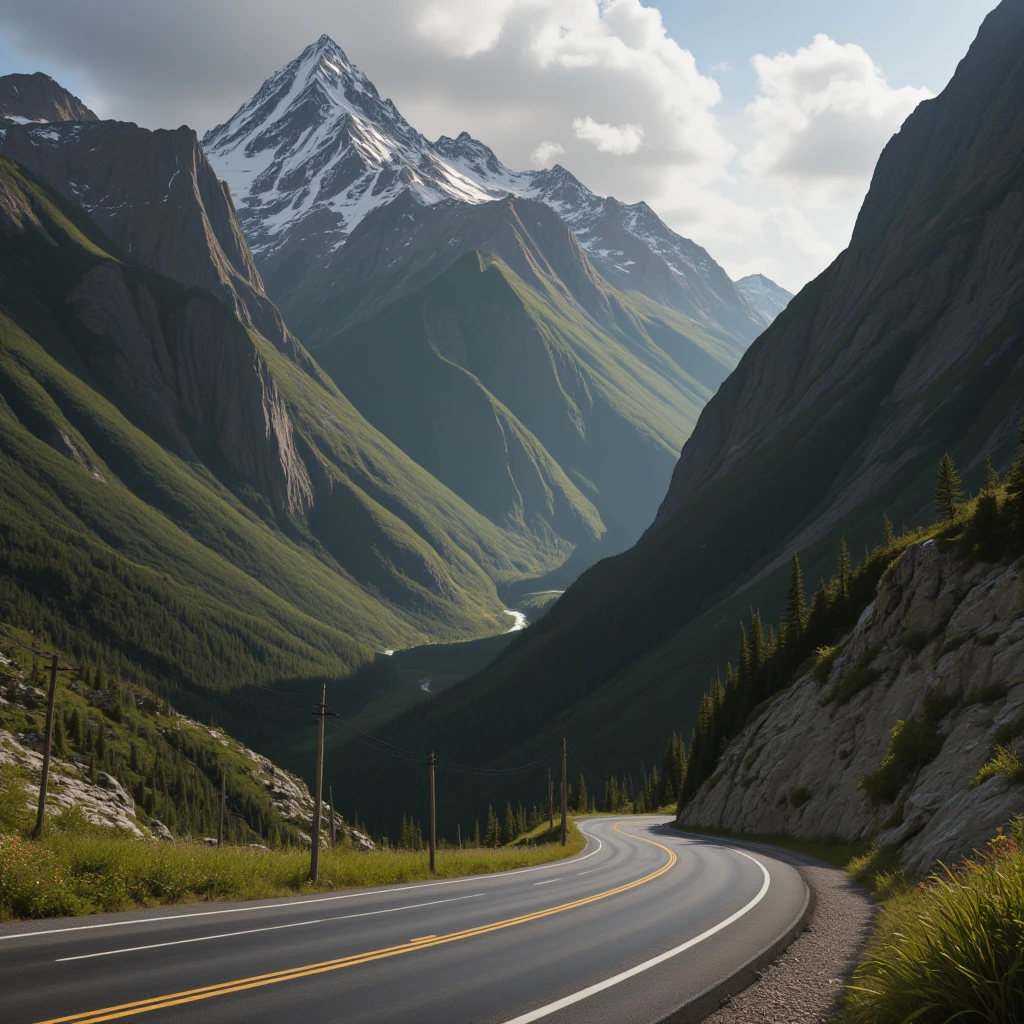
(317, 141)
(316, 150)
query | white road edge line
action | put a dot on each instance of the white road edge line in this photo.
(306, 902)
(585, 993)
(269, 928)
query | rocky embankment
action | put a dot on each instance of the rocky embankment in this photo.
(941, 648)
(105, 801)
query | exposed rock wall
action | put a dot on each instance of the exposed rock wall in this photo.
(154, 194)
(196, 377)
(942, 637)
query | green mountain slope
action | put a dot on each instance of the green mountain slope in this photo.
(139, 514)
(482, 341)
(910, 345)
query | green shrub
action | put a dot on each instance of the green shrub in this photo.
(798, 796)
(912, 745)
(938, 703)
(33, 882)
(948, 950)
(986, 694)
(878, 870)
(859, 677)
(1004, 762)
(955, 644)
(15, 816)
(915, 641)
(826, 657)
(1009, 731)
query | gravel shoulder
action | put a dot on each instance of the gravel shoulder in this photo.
(804, 985)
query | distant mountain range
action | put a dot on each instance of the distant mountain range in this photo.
(316, 150)
(767, 298)
(540, 350)
(910, 345)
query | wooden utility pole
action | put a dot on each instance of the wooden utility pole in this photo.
(551, 802)
(433, 813)
(223, 807)
(458, 835)
(47, 744)
(321, 713)
(334, 831)
(565, 838)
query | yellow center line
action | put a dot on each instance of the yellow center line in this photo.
(290, 974)
(423, 938)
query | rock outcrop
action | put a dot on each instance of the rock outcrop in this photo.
(942, 645)
(39, 98)
(104, 802)
(195, 377)
(154, 194)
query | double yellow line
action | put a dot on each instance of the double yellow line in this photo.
(428, 941)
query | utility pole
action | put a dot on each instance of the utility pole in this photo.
(334, 831)
(47, 744)
(321, 713)
(564, 810)
(433, 812)
(551, 802)
(223, 806)
(458, 835)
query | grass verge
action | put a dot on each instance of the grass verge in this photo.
(950, 948)
(83, 872)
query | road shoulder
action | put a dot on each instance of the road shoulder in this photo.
(801, 982)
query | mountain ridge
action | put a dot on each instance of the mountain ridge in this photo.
(316, 149)
(37, 97)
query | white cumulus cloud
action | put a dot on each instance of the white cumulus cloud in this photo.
(620, 139)
(545, 153)
(823, 115)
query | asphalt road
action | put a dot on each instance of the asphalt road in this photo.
(639, 923)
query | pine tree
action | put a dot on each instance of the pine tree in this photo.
(743, 666)
(948, 490)
(493, 837)
(476, 833)
(508, 832)
(59, 736)
(992, 480)
(611, 795)
(582, 800)
(756, 647)
(844, 570)
(794, 618)
(887, 532)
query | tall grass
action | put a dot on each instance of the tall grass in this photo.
(82, 871)
(950, 949)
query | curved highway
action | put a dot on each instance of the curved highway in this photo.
(640, 923)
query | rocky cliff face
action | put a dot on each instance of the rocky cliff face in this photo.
(38, 97)
(925, 304)
(192, 373)
(155, 196)
(942, 646)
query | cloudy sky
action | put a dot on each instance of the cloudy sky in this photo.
(750, 127)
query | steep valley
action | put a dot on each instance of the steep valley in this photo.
(909, 346)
